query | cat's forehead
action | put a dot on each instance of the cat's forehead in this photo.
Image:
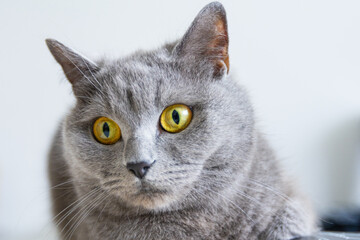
(146, 83)
(153, 74)
(144, 68)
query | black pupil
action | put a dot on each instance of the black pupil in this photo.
(176, 117)
(106, 129)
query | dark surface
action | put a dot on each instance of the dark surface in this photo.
(339, 224)
(332, 236)
(343, 220)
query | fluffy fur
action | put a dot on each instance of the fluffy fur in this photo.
(217, 179)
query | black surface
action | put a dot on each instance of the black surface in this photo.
(345, 220)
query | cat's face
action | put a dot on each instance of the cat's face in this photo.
(134, 92)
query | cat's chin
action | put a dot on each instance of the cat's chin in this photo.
(154, 202)
(151, 198)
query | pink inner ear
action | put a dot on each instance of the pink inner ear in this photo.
(226, 61)
(219, 46)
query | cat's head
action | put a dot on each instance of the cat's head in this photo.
(161, 127)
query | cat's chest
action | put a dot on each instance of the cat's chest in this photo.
(169, 226)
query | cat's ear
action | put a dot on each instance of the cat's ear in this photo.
(73, 64)
(207, 39)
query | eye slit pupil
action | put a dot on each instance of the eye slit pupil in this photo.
(106, 129)
(176, 117)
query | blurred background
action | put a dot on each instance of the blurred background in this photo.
(300, 61)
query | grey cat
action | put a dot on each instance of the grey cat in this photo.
(163, 145)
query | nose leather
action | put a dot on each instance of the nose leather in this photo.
(138, 169)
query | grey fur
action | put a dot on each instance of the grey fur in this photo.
(217, 179)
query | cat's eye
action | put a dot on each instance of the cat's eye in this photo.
(106, 131)
(175, 118)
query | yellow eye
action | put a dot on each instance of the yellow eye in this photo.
(106, 131)
(175, 118)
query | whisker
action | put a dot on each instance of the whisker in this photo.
(230, 201)
(111, 182)
(107, 204)
(274, 213)
(86, 213)
(60, 184)
(92, 74)
(78, 202)
(76, 216)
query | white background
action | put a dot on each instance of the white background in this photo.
(300, 61)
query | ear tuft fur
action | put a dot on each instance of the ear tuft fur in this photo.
(73, 64)
(207, 39)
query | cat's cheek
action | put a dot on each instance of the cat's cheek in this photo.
(90, 157)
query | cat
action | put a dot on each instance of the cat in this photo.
(163, 144)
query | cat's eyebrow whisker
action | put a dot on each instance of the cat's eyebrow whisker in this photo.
(92, 74)
(81, 120)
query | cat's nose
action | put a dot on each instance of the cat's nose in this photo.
(139, 169)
